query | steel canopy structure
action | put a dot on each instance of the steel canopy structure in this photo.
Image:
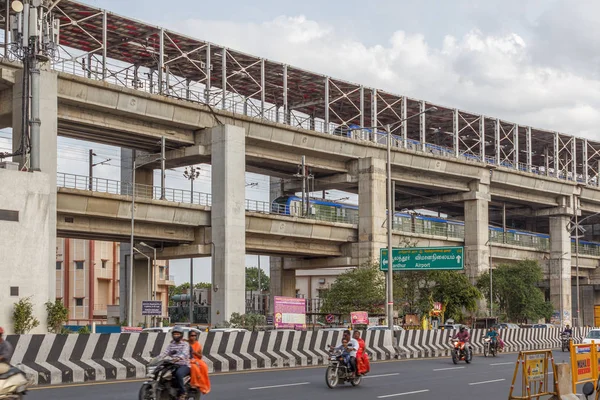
(101, 45)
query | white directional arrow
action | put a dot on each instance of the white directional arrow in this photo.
(458, 259)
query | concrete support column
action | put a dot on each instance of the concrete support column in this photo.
(560, 266)
(228, 220)
(477, 251)
(371, 209)
(283, 281)
(140, 288)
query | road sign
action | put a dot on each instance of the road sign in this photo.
(269, 320)
(423, 258)
(150, 307)
(329, 318)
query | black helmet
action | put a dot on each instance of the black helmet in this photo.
(462, 328)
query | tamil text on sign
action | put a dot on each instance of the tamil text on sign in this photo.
(423, 258)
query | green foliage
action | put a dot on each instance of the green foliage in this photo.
(252, 279)
(84, 330)
(417, 290)
(23, 319)
(202, 285)
(515, 291)
(58, 315)
(361, 289)
(247, 321)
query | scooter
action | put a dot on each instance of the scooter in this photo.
(14, 384)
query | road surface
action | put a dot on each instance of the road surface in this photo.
(422, 379)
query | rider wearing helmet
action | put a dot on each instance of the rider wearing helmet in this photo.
(179, 350)
(6, 351)
(568, 330)
(462, 335)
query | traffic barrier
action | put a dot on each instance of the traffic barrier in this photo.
(436, 343)
(54, 359)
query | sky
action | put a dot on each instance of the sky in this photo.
(534, 62)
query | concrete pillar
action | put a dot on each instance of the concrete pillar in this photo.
(560, 266)
(46, 232)
(283, 282)
(228, 220)
(477, 251)
(140, 288)
(372, 205)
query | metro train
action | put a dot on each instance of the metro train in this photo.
(326, 210)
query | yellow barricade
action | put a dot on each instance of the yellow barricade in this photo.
(584, 363)
(535, 378)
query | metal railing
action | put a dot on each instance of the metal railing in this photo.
(110, 186)
(521, 240)
(122, 75)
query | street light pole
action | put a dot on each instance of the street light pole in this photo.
(192, 174)
(390, 215)
(577, 261)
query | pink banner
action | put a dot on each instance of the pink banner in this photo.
(290, 313)
(359, 318)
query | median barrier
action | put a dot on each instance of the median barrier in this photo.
(75, 358)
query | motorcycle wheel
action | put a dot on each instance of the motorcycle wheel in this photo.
(145, 392)
(485, 350)
(331, 377)
(454, 357)
(356, 381)
(468, 356)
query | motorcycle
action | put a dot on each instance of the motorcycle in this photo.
(14, 384)
(565, 341)
(338, 371)
(161, 384)
(489, 347)
(461, 352)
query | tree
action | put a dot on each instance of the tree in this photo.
(361, 289)
(515, 291)
(23, 318)
(202, 285)
(58, 315)
(419, 289)
(249, 321)
(252, 279)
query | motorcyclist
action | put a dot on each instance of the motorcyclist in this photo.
(352, 347)
(492, 334)
(568, 330)
(179, 350)
(6, 351)
(462, 335)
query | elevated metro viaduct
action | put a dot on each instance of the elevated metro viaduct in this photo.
(461, 164)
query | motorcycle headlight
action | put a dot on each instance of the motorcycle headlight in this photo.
(150, 371)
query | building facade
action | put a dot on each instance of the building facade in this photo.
(87, 279)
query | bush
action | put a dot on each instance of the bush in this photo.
(84, 330)
(246, 321)
(58, 315)
(23, 319)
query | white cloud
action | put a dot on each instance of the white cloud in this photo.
(498, 75)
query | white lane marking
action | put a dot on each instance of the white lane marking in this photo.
(506, 363)
(447, 369)
(380, 376)
(484, 382)
(279, 386)
(402, 394)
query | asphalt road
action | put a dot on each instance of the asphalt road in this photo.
(484, 378)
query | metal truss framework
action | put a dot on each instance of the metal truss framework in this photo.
(104, 46)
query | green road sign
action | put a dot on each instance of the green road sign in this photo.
(423, 258)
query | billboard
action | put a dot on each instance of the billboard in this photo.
(359, 318)
(289, 312)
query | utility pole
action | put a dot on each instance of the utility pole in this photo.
(91, 166)
(192, 174)
(306, 177)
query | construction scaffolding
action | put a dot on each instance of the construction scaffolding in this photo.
(101, 45)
